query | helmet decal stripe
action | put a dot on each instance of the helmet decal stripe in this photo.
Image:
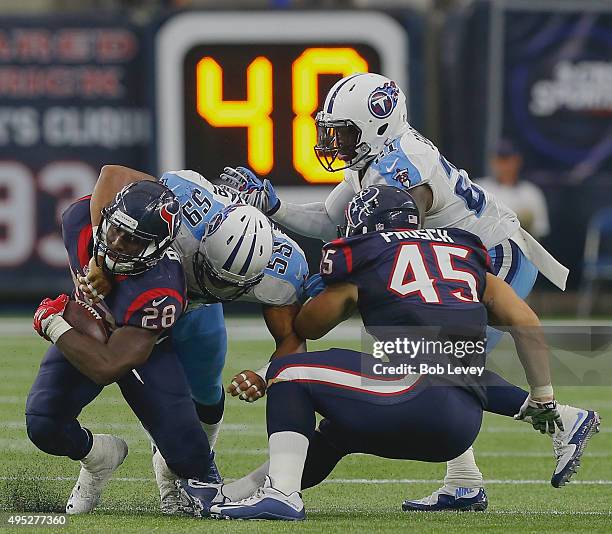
(230, 260)
(333, 97)
(249, 258)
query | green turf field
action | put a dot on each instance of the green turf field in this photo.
(363, 494)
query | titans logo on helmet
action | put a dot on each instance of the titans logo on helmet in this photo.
(216, 221)
(383, 99)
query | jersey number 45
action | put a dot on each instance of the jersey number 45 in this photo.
(410, 274)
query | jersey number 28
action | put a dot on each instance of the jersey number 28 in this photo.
(410, 275)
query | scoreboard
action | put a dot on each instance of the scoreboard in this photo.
(243, 88)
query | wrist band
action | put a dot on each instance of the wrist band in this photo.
(56, 328)
(279, 210)
(538, 392)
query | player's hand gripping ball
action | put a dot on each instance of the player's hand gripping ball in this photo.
(46, 311)
(248, 386)
(96, 285)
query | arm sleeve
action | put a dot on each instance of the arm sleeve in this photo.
(317, 219)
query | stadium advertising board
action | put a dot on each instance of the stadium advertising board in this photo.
(552, 69)
(71, 100)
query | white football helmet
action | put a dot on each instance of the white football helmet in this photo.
(233, 253)
(360, 114)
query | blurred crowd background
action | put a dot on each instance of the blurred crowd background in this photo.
(516, 92)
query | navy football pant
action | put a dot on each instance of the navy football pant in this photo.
(328, 445)
(352, 425)
(161, 402)
(422, 422)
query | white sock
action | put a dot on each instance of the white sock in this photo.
(287, 457)
(462, 472)
(93, 455)
(246, 486)
(212, 432)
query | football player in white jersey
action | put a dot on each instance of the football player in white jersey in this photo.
(230, 251)
(363, 130)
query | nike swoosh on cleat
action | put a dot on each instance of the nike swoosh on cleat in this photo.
(578, 419)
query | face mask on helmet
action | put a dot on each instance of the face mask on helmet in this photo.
(339, 141)
(214, 286)
(360, 114)
(127, 246)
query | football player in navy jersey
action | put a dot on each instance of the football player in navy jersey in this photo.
(133, 244)
(396, 275)
(230, 251)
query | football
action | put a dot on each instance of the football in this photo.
(86, 320)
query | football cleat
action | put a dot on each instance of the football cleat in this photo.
(169, 497)
(267, 503)
(450, 499)
(197, 497)
(569, 444)
(106, 455)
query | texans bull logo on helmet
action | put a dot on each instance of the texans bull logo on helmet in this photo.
(383, 99)
(169, 213)
(361, 206)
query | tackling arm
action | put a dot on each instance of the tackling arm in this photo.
(318, 219)
(127, 348)
(328, 309)
(112, 179)
(250, 385)
(508, 310)
(279, 320)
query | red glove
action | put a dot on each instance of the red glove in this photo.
(45, 313)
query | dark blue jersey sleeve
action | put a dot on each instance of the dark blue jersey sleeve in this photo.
(77, 234)
(343, 259)
(336, 262)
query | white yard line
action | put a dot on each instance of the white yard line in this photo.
(379, 481)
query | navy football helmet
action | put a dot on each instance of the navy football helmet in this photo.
(381, 207)
(137, 228)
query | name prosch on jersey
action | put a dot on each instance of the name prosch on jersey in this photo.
(430, 234)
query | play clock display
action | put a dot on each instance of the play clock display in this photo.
(243, 88)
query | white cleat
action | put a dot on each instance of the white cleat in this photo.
(106, 455)
(267, 503)
(569, 444)
(170, 499)
(449, 498)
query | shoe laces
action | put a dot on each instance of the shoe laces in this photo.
(558, 446)
(259, 493)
